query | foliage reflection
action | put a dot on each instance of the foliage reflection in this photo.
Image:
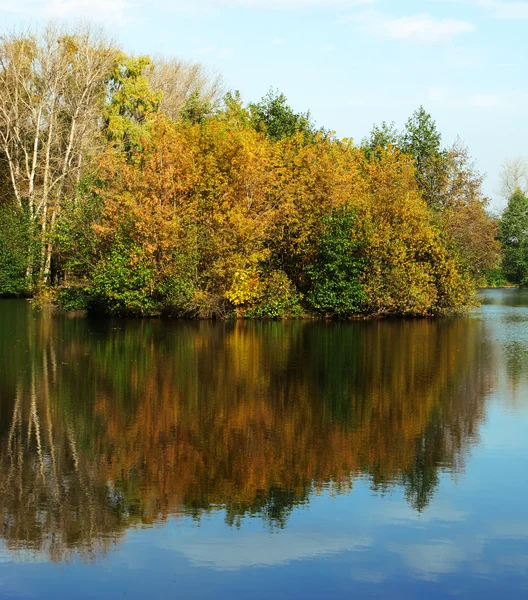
(108, 424)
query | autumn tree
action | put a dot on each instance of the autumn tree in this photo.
(144, 250)
(450, 184)
(464, 216)
(410, 269)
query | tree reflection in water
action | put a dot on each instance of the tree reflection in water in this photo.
(106, 425)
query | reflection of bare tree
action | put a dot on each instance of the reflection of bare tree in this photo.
(51, 498)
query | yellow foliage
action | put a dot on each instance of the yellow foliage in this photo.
(239, 205)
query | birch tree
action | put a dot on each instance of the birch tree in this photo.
(52, 88)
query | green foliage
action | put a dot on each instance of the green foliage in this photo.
(196, 109)
(493, 278)
(381, 136)
(273, 116)
(234, 111)
(75, 239)
(421, 139)
(74, 297)
(17, 250)
(126, 282)
(122, 282)
(335, 274)
(131, 101)
(513, 234)
(279, 298)
(175, 294)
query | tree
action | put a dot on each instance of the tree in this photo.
(335, 275)
(421, 140)
(195, 109)
(179, 81)
(144, 257)
(513, 234)
(410, 269)
(131, 103)
(514, 176)
(52, 87)
(463, 214)
(277, 119)
(381, 136)
(17, 249)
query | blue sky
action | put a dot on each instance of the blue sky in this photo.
(352, 63)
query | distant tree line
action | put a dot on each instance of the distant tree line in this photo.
(131, 185)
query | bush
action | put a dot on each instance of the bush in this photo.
(279, 298)
(16, 245)
(73, 297)
(127, 282)
(493, 278)
(335, 273)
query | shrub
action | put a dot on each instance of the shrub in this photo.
(335, 273)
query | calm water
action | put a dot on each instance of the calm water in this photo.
(150, 459)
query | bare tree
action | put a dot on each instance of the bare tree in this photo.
(514, 176)
(179, 80)
(52, 87)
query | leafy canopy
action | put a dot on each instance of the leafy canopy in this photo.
(335, 274)
(513, 234)
(273, 116)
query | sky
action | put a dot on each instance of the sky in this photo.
(351, 63)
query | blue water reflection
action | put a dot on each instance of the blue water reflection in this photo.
(449, 519)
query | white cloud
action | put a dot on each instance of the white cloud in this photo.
(208, 5)
(397, 513)
(428, 561)
(289, 4)
(113, 10)
(328, 49)
(484, 100)
(251, 550)
(447, 97)
(499, 9)
(505, 10)
(216, 52)
(423, 29)
(420, 29)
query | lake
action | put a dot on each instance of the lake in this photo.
(167, 459)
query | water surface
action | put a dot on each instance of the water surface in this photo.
(254, 460)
